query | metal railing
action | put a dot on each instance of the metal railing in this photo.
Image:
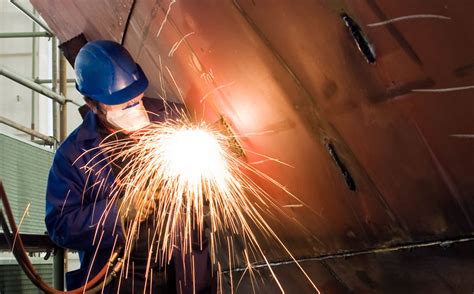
(60, 102)
(33, 17)
(48, 140)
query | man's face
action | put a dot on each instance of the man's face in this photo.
(105, 108)
(101, 109)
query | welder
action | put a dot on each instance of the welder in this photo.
(113, 86)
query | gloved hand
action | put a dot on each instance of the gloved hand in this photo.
(138, 206)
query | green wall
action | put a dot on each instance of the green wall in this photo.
(24, 168)
(13, 280)
(24, 171)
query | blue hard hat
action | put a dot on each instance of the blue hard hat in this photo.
(107, 73)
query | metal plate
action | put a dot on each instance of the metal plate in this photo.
(96, 20)
(290, 81)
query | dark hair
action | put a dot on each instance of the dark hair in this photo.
(90, 104)
(89, 100)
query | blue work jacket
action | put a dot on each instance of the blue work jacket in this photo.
(76, 199)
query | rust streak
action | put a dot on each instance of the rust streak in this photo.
(453, 189)
(395, 33)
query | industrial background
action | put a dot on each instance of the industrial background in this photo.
(26, 53)
(371, 103)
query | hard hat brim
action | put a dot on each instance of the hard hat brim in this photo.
(133, 90)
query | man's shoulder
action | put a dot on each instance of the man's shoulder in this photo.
(74, 143)
(85, 133)
(69, 145)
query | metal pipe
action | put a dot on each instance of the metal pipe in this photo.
(47, 139)
(34, 75)
(25, 35)
(58, 269)
(54, 84)
(62, 92)
(59, 261)
(34, 86)
(50, 81)
(33, 17)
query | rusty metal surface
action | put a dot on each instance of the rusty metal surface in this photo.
(434, 269)
(376, 158)
(95, 19)
(290, 278)
(445, 268)
(371, 106)
(258, 105)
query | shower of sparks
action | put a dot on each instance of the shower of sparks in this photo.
(414, 16)
(175, 84)
(25, 213)
(465, 136)
(442, 90)
(196, 189)
(293, 205)
(166, 18)
(177, 44)
(214, 90)
(208, 76)
(161, 80)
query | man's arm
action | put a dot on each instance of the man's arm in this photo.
(74, 218)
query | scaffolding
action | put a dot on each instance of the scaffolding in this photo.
(58, 94)
(59, 76)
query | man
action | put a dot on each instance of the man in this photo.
(77, 197)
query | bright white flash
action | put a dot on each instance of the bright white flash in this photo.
(193, 155)
(188, 173)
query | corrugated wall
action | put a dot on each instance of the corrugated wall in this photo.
(13, 280)
(24, 171)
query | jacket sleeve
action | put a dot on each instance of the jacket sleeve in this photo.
(74, 217)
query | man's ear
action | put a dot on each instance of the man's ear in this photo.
(93, 105)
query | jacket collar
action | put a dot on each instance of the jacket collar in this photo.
(88, 129)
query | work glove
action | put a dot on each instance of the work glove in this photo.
(137, 207)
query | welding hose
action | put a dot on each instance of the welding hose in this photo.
(118, 266)
(21, 257)
(33, 275)
(8, 236)
(19, 252)
(18, 249)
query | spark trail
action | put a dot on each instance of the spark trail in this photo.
(414, 16)
(197, 190)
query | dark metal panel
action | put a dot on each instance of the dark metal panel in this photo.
(313, 41)
(314, 44)
(289, 276)
(430, 267)
(444, 45)
(209, 62)
(444, 51)
(433, 269)
(291, 81)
